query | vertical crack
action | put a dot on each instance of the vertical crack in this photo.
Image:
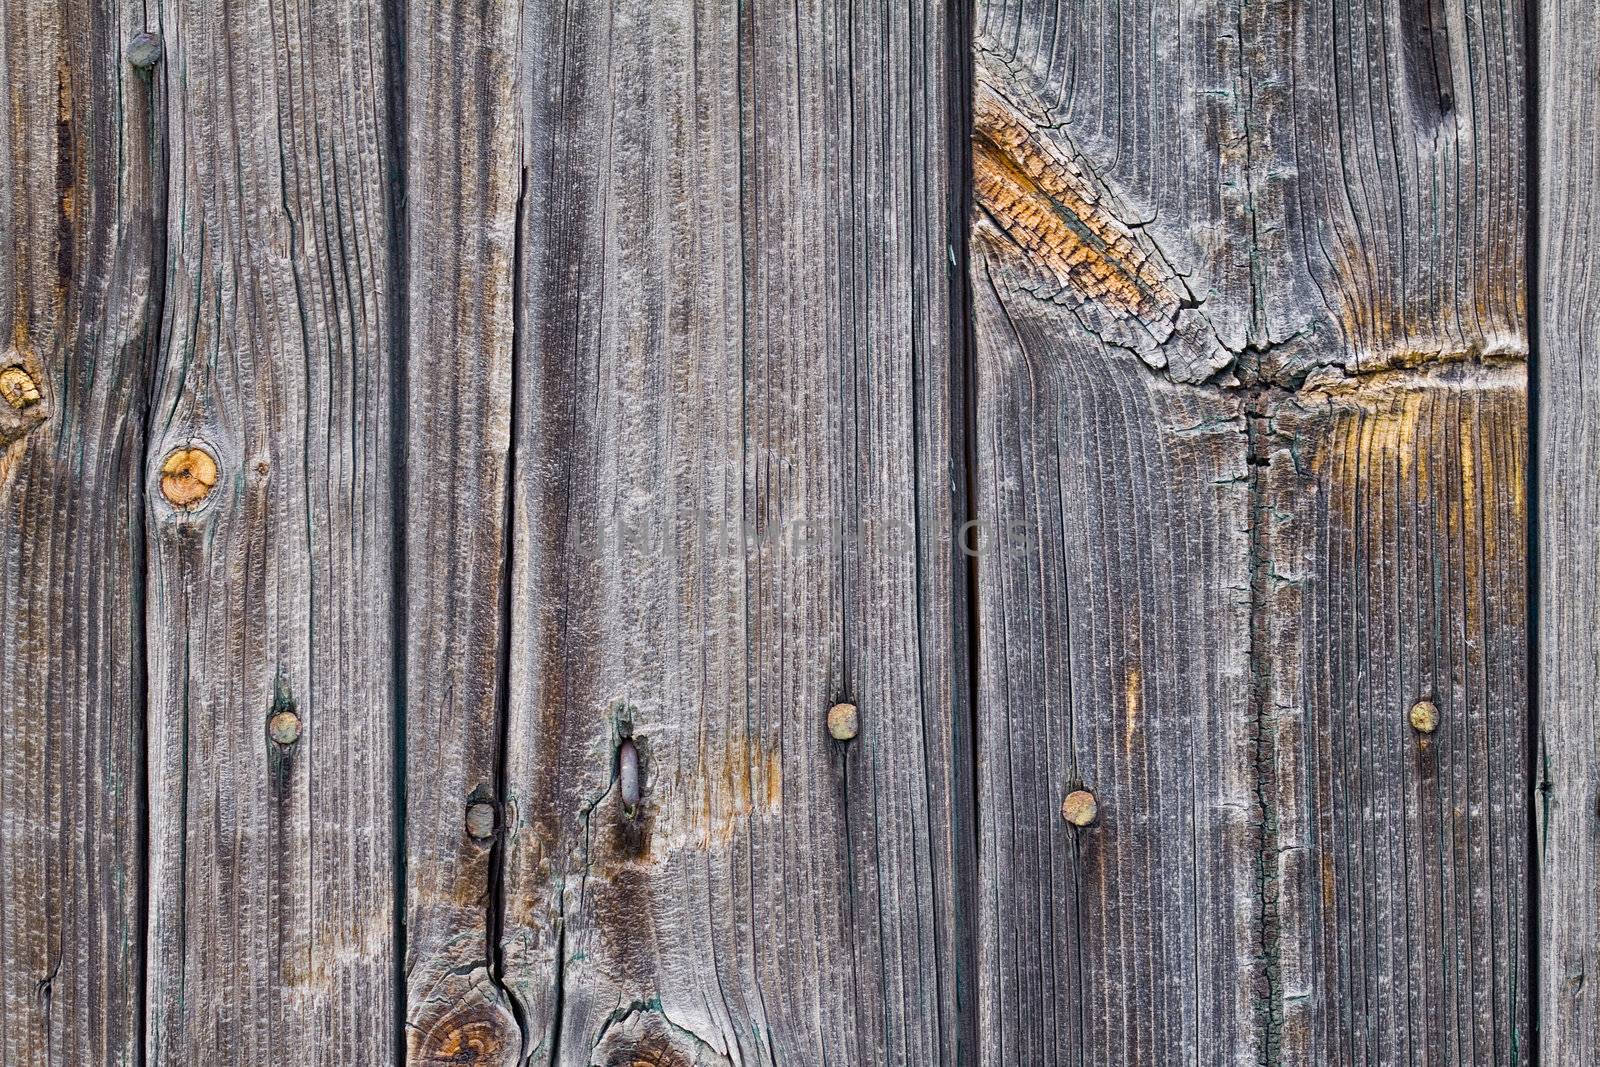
(148, 83)
(965, 805)
(505, 811)
(1258, 429)
(395, 12)
(1538, 768)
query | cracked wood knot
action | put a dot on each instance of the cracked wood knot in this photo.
(844, 722)
(19, 388)
(187, 477)
(1080, 808)
(1033, 187)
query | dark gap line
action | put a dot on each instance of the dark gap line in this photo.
(966, 810)
(156, 172)
(1531, 555)
(395, 12)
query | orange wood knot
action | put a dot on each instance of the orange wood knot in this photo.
(187, 477)
(1080, 808)
(1424, 716)
(472, 1041)
(844, 722)
(19, 388)
(284, 728)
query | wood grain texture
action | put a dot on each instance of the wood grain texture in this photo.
(79, 302)
(463, 144)
(1251, 425)
(271, 865)
(735, 496)
(1568, 491)
(1394, 569)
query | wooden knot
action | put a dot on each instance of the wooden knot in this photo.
(18, 388)
(644, 1038)
(187, 477)
(465, 1019)
(479, 1040)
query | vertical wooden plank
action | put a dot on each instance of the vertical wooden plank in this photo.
(268, 473)
(79, 300)
(1568, 803)
(463, 179)
(1251, 425)
(735, 495)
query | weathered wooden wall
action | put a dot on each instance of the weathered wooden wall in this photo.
(429, 424)
(1251, 427)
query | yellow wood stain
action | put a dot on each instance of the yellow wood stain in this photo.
(1132, 698)
(744, 779)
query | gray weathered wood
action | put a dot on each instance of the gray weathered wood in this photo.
(734, 316)
(587, 389)
(462, 173)
(1567, 809)
(1251, 424)
(79, 178)
(271, 935)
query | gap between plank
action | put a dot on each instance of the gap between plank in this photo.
(399, 500)
(1534, 742)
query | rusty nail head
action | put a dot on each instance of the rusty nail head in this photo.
(19, 388)
(188, 476)
(844, 722)
(284, 727)
(1424, 717)
(1080, 808)
(480, 820)
(144, 51)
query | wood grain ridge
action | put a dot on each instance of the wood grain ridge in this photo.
(1568, 491)
(268, 478)
(735, 462)
(81, 178)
